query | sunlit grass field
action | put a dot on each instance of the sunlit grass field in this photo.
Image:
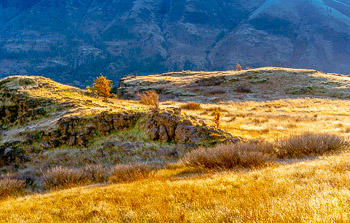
(315, 190)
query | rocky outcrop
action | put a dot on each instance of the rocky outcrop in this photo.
(168, 126)
(164, 126)
(12, 153)
(77, 131)
(17, 109)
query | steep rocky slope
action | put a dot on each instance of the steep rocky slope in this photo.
(73, 41)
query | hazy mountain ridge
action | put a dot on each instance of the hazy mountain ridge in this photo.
(73, 41)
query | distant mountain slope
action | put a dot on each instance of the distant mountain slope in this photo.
(74, 41)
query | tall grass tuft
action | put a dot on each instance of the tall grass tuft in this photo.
(309, 144)
(259, 153)
(62, 177)
(191, 106)
(228, 156)
(11, 187)
(130, 172)
(150, 98)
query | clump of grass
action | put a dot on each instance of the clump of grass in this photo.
(150, 98)
(95, 173)
(130, 172)
(228, 156)
(309, 144)
(191, 106)
(258, 153)
(61, 177)
(214, 92)
(11, 187)
(243, 89)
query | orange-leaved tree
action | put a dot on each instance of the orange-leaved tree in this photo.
(103, 86)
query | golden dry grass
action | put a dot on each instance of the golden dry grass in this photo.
(309, 191)
(283, 103)
(278, 118)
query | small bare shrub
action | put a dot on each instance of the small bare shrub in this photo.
(150, 98)
(238, 67)
(309, 144)
(228, 156)
(130, 172)
(95, 173)
(61, 177)
(243, 89)
(191, 106)
(214, 92)
(11, 187)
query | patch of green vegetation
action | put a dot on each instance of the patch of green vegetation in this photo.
(259, 81)
(133, 134)
(38, 137)
(299, 90)
(97, 133)
(307, 90)
(2, 83)
(4, 123)
(252, 77)
(26, 82)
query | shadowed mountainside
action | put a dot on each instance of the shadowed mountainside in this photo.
(73, 41)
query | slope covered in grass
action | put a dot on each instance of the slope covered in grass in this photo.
(316, 191)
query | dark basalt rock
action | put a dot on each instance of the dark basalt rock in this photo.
(12, 153)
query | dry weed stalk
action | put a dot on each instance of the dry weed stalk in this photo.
(150, 98)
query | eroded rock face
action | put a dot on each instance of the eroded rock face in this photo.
(77, 131)
(17, 109)
(167, 126)
(12, 153)
(164, 126)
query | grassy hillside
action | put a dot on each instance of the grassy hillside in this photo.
(286, 161)
(258, 103)
(309, 191)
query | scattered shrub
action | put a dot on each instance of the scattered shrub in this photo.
(309, 144)
(95, 173)
(238, 67)
(191, 106)
(255, 153)
(130, 172)
(103, 86)
(227, 156)
(61, 177)
(150, 98)
(243, 89)
(214, 92)
(11, 187)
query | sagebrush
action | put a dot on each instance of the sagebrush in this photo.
(130, 172)
(11, 187)
(150, 98)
